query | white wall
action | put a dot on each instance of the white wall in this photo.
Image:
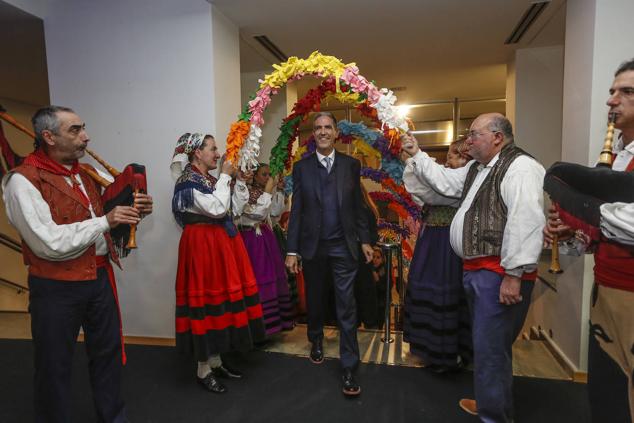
(226, 74)
(140, 74)
(538, 101)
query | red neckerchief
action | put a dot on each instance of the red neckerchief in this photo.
(40, 160)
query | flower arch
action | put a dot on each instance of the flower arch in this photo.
(243, 140)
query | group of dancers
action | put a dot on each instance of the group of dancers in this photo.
(469, 285)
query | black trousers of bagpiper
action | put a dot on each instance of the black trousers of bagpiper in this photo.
(58, 309)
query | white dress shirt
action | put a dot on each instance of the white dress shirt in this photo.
(617, 219)
(31, 216)
(423, 193)
(521, 191)
(321, 158)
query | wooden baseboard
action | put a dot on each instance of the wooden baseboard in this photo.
(569, 367)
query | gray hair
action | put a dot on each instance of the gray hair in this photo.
(624, 67)
(327, 114)
(503, 125)
(46, 119)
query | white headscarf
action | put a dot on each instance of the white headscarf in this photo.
(186, 144)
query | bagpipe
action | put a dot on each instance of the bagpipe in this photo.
(120, 192)
(578, 191)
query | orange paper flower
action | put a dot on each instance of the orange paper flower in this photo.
(235, 140)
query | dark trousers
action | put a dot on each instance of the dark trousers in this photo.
(58, 309)
(607, 386)
(333, 258)
(495, 327)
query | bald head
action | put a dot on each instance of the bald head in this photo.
(488, 134)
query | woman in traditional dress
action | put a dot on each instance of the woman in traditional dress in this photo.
(437, 323)
(264, 253)
(217, 304)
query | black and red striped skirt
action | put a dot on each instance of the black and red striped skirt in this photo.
(217, 303)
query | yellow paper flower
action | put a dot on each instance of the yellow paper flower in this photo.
(345, 98)
(361, 146)
(315, 63)
(299, 153)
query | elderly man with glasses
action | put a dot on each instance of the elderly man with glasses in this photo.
(498, 232)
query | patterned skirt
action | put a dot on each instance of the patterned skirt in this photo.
(437, 321)
(217, 303)
(272, 281)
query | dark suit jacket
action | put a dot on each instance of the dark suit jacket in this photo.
(305, 220)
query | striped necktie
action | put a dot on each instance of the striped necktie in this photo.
(328, 163)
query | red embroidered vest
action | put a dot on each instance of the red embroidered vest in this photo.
(66, 207)
(614, 262)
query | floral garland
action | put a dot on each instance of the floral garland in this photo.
(397, 192)
(281, 157)
(392, 228)
(317, 64)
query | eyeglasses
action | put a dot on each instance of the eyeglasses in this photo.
(474, 134)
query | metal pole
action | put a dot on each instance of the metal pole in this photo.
(400, 305)
(387, 248)
(455, 117)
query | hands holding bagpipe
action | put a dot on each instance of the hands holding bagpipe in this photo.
(131, 215)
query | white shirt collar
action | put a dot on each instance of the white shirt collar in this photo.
(321, 157)
(618, 146)
(491, 163)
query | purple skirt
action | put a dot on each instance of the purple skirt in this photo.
(437, 321)
(270, 274)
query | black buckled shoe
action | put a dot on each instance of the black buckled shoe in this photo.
(317, 352)
(226, 372)
(211, 384)
(350, 387)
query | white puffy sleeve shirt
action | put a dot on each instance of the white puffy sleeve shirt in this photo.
(31, 216)
(239, 198)
(521, 190)
(421, 191)
(258, 212)
(216, 204)
(617, 219)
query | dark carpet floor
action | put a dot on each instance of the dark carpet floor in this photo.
(159, 386)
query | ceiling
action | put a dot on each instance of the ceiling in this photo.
(437, 49)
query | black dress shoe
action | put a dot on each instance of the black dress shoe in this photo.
(226, 372)
(350, 387)
(317, 352)
(210, 383)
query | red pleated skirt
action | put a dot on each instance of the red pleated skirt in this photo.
(217, 303)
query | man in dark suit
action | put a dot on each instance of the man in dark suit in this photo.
(325, 228)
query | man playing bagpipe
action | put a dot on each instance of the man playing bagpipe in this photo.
(58, 211)
(611, 349)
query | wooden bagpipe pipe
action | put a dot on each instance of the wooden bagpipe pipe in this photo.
(119, 192)
(578, 191)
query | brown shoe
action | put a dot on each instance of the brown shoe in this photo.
(469, 406)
